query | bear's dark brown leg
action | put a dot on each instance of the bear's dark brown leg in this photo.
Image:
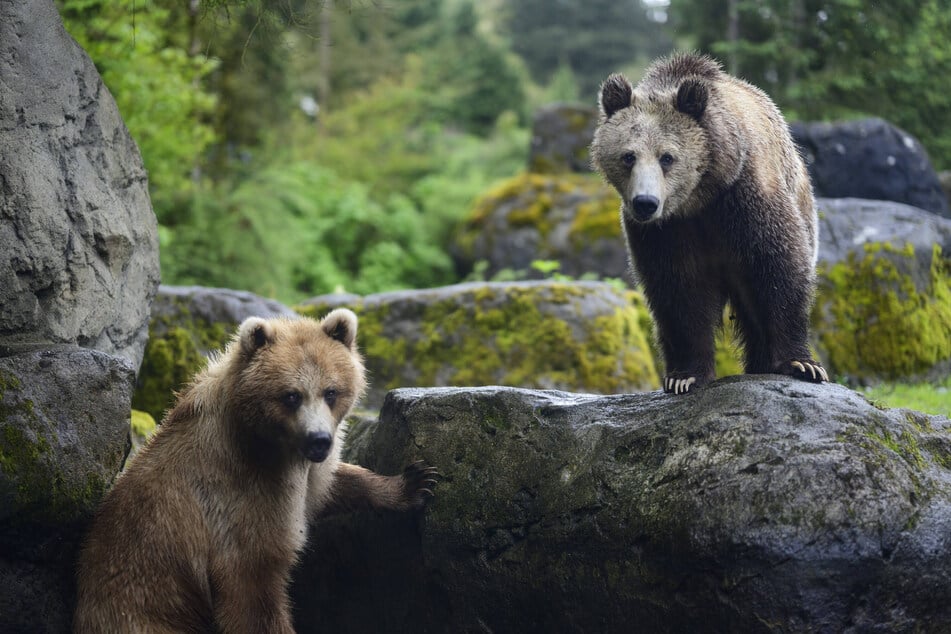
(685, 332)
(773, 314)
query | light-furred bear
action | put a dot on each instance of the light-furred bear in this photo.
(716, 206)
(200, 532)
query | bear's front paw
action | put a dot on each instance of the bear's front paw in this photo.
(418, 482)
(680, 382)
(805, 369)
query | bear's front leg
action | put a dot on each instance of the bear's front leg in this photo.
(685, 331)
(355, 487)
(773, 315)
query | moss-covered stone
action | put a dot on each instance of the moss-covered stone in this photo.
(572, 218)
(176, 350)
(873, 318)
(544, 334)
(56, 456)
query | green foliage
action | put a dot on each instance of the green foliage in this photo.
(157, 84)
(831, 59)
(922, 397)
(299, 230)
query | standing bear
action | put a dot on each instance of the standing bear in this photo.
(716, 206)
(200, 532)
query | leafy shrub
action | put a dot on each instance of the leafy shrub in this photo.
(299, 230)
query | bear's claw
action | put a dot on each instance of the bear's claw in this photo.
(419, 481)
(810, 371)
(678, 385)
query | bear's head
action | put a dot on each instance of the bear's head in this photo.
(651, 146)
(295, 381)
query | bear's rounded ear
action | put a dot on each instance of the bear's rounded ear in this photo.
(692, 98)
(254, 333)
(341, 324)
(616, 94)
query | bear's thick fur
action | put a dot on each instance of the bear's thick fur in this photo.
(716, 206)
(200, 532)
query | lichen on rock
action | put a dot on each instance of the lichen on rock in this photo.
(880, 314)
(584, 336)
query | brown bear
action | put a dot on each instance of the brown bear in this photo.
(200, 532)
(716, 206)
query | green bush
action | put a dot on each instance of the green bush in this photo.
(299, 230)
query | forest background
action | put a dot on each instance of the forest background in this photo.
(298, 148)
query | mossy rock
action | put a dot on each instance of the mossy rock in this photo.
(64, 416)
(884, 313)
(582, 336)
(188, 323)
(571, 218)
(561, 135)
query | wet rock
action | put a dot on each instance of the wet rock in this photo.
(758, 504)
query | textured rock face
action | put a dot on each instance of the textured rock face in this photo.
(846, 224)
(869, 158)
(580, 336)
(561, 134)
(78, 239)
(758, 504)
(64, 431)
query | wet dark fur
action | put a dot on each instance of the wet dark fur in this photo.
(737, 242)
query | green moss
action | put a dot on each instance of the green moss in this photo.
(43, 490)
(143, 424)
(905, 445)
(535, 195)
(502, 337)
(169, 363)
(597, 217)
(875, 322)
(175, 351)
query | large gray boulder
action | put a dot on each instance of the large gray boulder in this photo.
(847, 224)
(869, 158)
(78, 269)
(78, 239)
(64, 432)
(759, 504)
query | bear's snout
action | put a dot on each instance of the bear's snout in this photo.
(317, 445)
(645, 206)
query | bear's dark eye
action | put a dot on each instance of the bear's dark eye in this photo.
(292, 400)
(330, 396)
(666, 161)
(628, 158)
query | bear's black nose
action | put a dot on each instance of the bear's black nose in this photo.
(645, 206)
(317, 446)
